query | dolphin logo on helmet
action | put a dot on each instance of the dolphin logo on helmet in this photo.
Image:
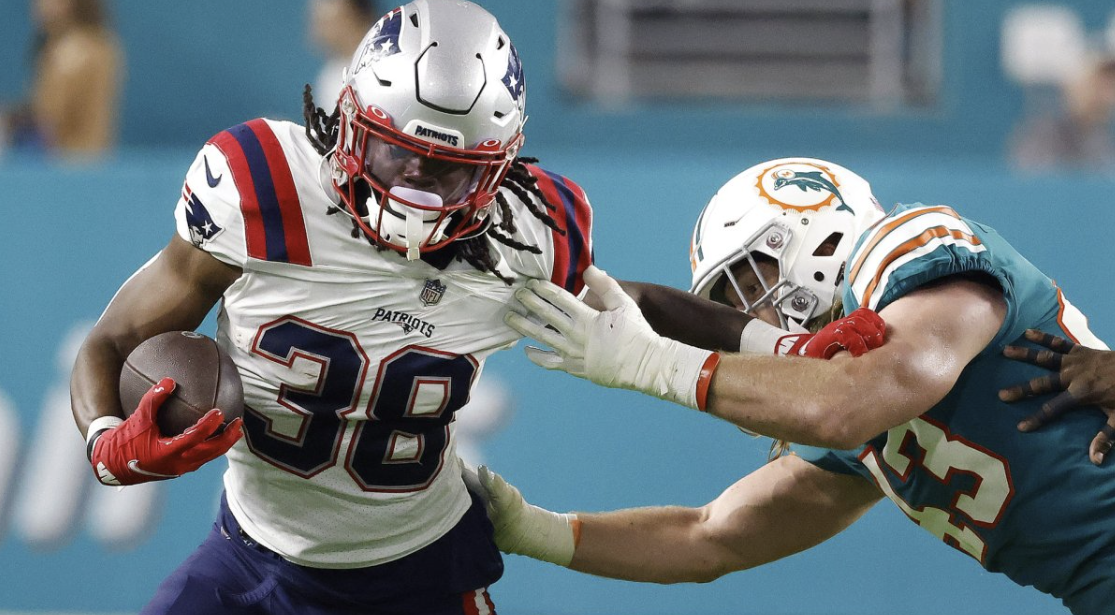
(810, 180)
(809, 232)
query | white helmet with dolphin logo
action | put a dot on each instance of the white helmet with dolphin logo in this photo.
(805, 214)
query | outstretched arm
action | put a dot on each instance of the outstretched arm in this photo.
(786, 506)
(685, 317)
(933, 333)
(705, 324)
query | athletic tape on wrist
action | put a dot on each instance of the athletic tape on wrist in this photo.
(760, 338)
(99, 425)
(542, 535)
(675, 374)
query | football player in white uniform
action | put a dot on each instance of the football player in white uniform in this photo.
(918, 421)
(364, 263)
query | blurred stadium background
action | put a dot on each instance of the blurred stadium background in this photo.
(650, 105)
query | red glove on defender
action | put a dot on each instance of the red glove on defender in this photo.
(858, 332)
(135, 452)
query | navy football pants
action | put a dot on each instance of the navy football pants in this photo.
(230, 574)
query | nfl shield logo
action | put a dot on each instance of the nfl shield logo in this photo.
(432, 292)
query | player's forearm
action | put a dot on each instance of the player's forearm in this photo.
(655, 545)
(836, 404)
(932, 334)
(661, 545)
(782, 508)
(172, 292)
(688, 318)
(93, 384)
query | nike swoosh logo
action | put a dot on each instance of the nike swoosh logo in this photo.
(133, 465)
(213, 181)
(105, 476)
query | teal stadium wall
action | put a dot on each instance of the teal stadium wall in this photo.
(198, 67)
(74, 233)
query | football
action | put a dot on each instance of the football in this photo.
(205, 375)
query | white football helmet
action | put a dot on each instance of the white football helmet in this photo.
(806, 214)
(431, 117)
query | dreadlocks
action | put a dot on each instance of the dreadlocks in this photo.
(321, 129)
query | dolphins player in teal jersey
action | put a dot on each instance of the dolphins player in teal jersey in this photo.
(918, 420)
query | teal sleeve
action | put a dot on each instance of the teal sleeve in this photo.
(917, 244)
(840, 462)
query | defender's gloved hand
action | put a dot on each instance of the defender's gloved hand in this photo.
(857, 333)
(130, 451)
(523, 528)
(614, 348)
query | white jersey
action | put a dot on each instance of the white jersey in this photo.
(353, 360)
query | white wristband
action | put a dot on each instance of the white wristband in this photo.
(99, 425)
(682, 374)
(761, 338)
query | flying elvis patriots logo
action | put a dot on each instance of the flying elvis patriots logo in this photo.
(514, 77)
(201, 224)
(382, 40)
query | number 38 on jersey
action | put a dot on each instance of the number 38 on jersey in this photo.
(401, 443)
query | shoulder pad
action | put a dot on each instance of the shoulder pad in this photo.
(569, 206)
(908, 248)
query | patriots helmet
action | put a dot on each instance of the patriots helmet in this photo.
(431, 117)
(803, 213)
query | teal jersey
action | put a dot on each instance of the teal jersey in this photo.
(1029, 505)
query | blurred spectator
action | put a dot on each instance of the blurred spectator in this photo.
(78, 65)
(337, 27)
(1080, 135)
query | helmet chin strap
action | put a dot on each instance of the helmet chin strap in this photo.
(410, 223)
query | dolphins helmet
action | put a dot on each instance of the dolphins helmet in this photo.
(805, 214)
(436, 82)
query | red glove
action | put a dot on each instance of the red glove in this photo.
(135, 452)
(858, 332)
